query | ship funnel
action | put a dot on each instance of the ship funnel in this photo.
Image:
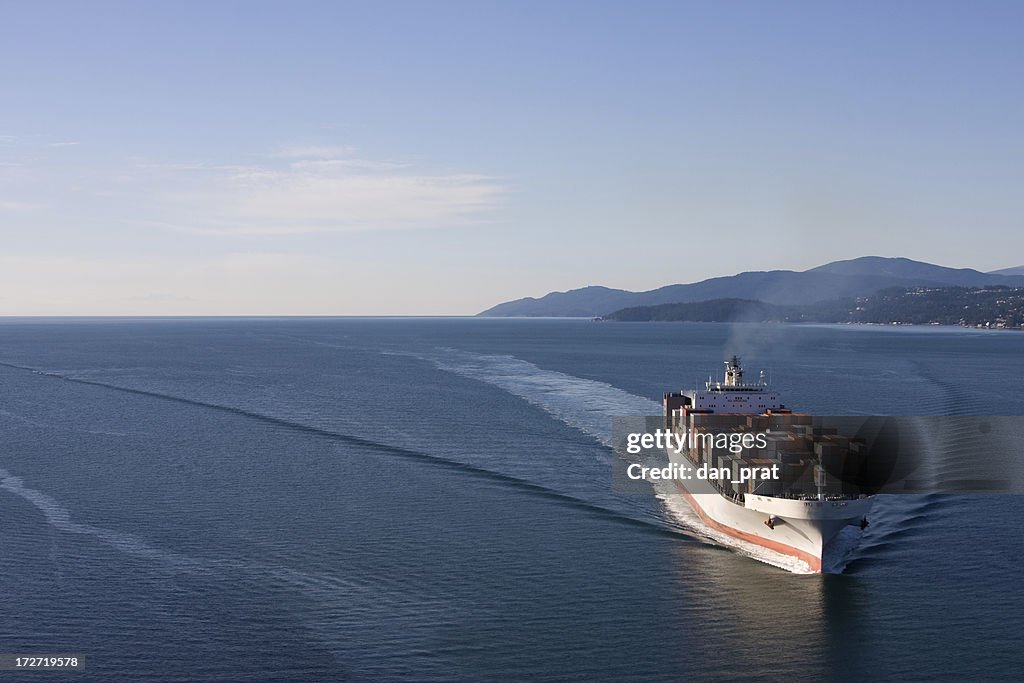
(733, 372)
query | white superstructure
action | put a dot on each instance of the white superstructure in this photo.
(733, 396)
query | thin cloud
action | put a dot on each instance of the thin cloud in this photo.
(315, 151)
(309, 195)
(17, 206)
(364, 164)
(290, 191)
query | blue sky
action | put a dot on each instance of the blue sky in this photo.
(440, 157)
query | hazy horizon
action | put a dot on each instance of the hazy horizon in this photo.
(437, 159)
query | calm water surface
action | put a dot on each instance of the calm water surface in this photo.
(417, 499)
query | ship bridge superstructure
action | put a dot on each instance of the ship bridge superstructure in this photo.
(733, 395)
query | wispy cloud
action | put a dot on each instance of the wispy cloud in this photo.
(17, 206)
(335, 199)
(318, 193)
(35, 140)
(315, 151)
(291, 190)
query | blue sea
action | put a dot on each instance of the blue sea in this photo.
(431, 500)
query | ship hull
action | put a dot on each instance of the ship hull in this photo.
(801, 529)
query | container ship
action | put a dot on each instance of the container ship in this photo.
(802, 511)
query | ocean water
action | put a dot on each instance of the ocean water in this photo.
(430, 499)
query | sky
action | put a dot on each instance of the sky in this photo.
(437, 158)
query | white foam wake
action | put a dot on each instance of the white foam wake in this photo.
(587, 405)
(59, 517)
(334, 593)
(590, 406)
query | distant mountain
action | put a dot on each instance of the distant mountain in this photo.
(855, 277)
(1018, 270)
(878, 266)
(578, 303)
(714, 311)
(998, 307)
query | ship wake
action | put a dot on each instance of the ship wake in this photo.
(589, 406)
(586, 404)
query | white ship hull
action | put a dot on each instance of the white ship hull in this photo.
(801, 529)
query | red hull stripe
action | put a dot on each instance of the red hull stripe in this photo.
(813, 562)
